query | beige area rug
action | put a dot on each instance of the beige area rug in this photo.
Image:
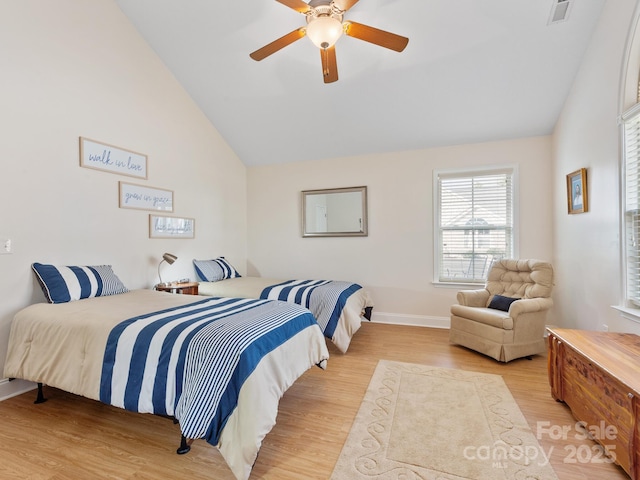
(428, 423)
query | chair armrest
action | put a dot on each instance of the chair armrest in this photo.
(473, 298)
(528, 305)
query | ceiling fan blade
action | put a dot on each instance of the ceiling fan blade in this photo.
(297, 5)
(329, 64)
(376, 36)
(344, 5)
(276, 45)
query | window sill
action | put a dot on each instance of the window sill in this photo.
(460, 286)
(629, 313)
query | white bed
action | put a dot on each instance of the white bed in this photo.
(64, 346)
(357, 306)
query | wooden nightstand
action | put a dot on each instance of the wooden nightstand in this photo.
(188, 288)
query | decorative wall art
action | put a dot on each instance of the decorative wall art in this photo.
(577, 195)
(145, 198)
(171, 227)
(109, 158)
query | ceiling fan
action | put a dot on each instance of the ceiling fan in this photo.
(324, 27)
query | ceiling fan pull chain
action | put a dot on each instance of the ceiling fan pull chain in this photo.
(325, 72)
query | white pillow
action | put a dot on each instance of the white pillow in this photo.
(214, 270)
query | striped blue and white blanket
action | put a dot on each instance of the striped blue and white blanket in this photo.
(325, 298)
(191, 361)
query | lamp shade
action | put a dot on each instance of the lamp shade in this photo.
(324, 32)
(169, 258)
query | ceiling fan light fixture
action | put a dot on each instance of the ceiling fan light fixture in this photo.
(324, 31)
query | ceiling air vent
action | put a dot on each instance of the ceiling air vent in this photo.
(559, 11)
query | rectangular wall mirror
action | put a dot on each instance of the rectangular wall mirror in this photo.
(335, 212)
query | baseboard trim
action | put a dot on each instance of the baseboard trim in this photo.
(13, 388)
(412, 320)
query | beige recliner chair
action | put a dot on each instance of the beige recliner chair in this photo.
(506, 319)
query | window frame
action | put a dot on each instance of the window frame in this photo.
(471, 172)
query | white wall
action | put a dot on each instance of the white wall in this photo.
(587, 246)
(74, 68)
(395, 262)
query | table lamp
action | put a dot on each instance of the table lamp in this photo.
(169, 258)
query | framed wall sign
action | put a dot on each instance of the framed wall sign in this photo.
(145, 198)
(161, 226)
(577, 194)
(109, 158)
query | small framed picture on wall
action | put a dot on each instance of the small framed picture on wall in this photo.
(161, 226)
(577, 194)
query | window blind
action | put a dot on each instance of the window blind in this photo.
(632, 204)
(475, 223)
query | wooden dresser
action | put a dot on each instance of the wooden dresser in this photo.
(597, 374)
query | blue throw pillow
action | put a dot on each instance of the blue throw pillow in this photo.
(214, 270)
(66, 284)
(498, 302)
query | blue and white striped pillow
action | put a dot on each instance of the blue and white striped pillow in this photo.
(66, 284)
(214, 270)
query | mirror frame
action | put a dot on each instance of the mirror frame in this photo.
(365, 224)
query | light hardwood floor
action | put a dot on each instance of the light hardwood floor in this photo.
(70, 437)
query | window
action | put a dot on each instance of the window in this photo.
(474, 222)
(631, 150)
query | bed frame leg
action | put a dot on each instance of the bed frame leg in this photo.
(185, 446)
(40, 398)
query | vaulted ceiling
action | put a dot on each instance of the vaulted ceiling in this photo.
(473, 71)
